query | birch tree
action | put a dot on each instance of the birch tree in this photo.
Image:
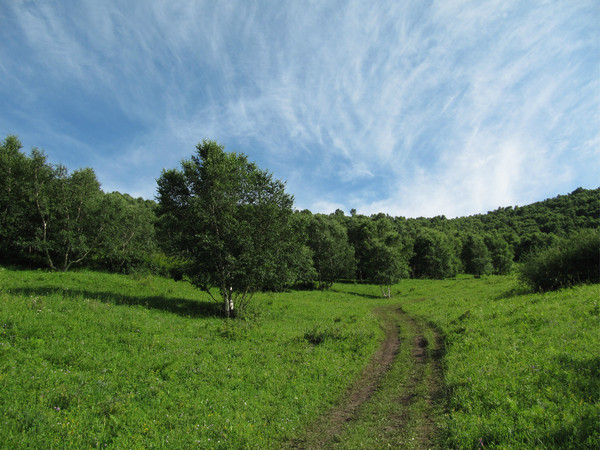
(229, 219)
(70, 220)
(16, 209)
(386, 255)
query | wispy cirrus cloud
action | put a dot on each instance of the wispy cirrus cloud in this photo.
(450, 107)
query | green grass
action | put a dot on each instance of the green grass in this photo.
(89, 359)
(522, 370)
(94, 360)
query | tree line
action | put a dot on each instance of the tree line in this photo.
(222, 222)
(59, 219)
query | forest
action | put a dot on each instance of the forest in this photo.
(223, 222)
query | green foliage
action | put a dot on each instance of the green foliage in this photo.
(128, 240)
(320, 333)
(531, 242)
(16, 207)
(359, 232)
(569, 262)
(385, 255)
(69, 220)
(165, 265)
(231, 220)
(502, 256)
(434, 255)
(302, 273)
(475, 256)
(524, 228)
(51, 217)
(333, 256)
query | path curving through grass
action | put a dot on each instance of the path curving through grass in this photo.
(399, 399)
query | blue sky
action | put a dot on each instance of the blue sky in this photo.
(415, 108)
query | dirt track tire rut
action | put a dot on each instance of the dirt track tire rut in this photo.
(413, 411)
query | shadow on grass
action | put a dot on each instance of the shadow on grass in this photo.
(516, 291)
(587, 384)
(582, 433)
(358, 294)
(180, 306)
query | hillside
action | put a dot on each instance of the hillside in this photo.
(95, 360)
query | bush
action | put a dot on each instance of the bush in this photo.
(571, 261)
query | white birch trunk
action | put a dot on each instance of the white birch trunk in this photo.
(228, 301)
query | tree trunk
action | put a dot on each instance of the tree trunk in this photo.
(228, 301)
(386, 291)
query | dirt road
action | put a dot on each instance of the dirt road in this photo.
(397, 401)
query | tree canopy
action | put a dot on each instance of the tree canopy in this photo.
(51, 217)
(333, 256)
(229, 219)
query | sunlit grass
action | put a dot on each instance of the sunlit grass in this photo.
(522, 370)
(89, 359)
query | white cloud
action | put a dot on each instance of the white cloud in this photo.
(325, 207)
(450, 108)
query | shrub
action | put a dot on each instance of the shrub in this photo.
(571, 261)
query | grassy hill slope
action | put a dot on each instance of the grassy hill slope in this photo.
(90, 359)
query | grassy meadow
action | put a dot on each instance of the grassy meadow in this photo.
(89, 359)
(98, 360)
(521, 370)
